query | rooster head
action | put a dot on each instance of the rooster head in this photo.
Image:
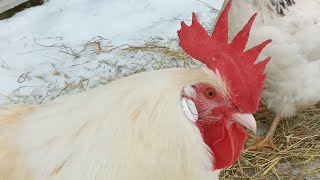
(222, 108)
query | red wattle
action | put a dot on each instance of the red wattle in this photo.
(225, 142)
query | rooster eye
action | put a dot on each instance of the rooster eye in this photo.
(209, 93)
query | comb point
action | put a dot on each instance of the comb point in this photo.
(260, 67)
(220, 31)
(194, 17)
(240, 41)
(183, 24)
(252, 54)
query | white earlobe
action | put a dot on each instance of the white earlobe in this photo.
(189, 109)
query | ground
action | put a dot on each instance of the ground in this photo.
(64, 47)
(298, 157)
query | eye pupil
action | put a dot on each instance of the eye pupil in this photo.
(209, 93)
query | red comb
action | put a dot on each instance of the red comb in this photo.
(244, 78)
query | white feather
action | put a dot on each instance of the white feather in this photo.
(133, 128)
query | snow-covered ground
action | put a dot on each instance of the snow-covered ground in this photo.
(72, 45)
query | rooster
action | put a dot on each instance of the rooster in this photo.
(167, 124)
(293, 81)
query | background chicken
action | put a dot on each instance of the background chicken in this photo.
(293, 81)
(134, 128)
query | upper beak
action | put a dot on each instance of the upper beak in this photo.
(247, 120)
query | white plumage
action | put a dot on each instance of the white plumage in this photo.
(293, 74)
(95, 135)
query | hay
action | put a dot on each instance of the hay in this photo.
(298, 140)
(172, 57)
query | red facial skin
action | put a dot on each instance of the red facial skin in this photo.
(225, 137)
(245, 78)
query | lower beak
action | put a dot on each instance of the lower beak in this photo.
(246, 120)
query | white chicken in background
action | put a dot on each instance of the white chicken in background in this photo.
(293, 81)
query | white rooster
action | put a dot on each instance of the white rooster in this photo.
(293, 81)
(144, 126)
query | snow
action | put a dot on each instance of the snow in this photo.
(69, 45)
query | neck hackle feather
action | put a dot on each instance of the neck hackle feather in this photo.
(244, 78)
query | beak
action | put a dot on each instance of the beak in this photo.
(246, 120)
